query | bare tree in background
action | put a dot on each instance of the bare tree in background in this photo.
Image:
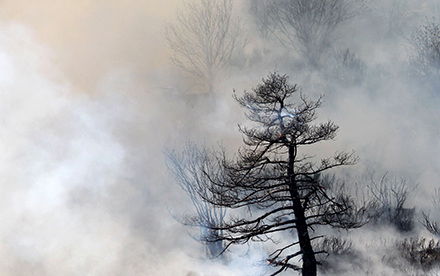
(187, 170)
(395, 13)
(273, 186)
(260, 9)
(204, 38)
(391, 197)
(425, 52)
(306, 26)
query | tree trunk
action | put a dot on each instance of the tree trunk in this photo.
(308, 255)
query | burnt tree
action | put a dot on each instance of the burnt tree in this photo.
(273, 185)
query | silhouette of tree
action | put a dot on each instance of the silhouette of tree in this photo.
(272, 185)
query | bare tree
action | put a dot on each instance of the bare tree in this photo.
(395, 14)
(187, 169)
(391, 196)
(204, 38)
(272, 185)
(306, 26)
(425, 52)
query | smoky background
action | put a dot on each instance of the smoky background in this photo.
(90, 100)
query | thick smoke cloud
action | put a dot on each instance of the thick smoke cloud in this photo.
(77, 192)
(85, 189)
(89, 102)
(89, 37)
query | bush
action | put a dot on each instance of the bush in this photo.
(391, 197)
(337, 256)
(420, 253)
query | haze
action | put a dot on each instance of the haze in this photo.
(90, 100)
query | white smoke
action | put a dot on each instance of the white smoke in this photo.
(84, 188)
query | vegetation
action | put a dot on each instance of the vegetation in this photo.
(272, 190)
(305, 26)
(187, 171)
(204, 38)
(282, 187)
(425, 52)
